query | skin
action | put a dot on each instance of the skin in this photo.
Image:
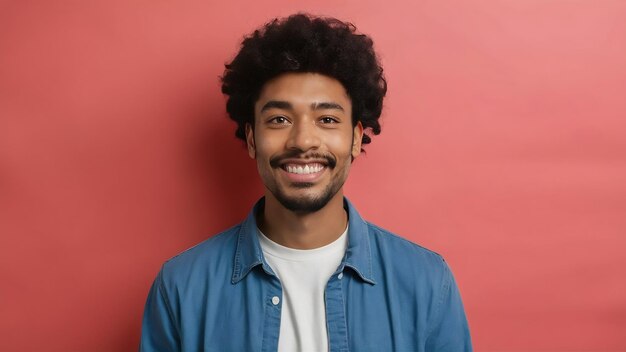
(292, 120)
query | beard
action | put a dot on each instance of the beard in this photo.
(310, 203)
(307, 204)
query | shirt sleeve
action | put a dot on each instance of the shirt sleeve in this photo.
(158, 331)
(449, 331)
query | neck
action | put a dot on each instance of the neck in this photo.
(303, 230)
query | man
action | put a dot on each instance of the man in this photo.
(304, 272)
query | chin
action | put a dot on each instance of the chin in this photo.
(304, 204)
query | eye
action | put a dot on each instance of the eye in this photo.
(329, 120)
(278, 120)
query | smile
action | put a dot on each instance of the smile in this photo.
(303, 170)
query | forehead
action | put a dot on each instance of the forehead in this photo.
(303, 89)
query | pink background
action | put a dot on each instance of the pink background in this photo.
(503, 149)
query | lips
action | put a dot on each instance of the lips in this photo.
(303, 168)
(309, 172)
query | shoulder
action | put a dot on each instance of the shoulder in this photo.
(201, 260)
(390, 249)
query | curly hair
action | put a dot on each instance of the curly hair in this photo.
(303, 43)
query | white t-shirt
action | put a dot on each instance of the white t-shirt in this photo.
(303, 274)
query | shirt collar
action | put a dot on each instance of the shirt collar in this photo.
(358, 255)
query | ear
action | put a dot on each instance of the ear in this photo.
(357, 139)
(250, 141)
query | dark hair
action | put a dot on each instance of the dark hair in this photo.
(303, 43)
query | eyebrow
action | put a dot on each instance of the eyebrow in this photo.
(326, 106)
(277, 104)
(285, 105)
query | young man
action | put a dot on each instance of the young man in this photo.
(304, 272)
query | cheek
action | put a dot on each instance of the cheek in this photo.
(266, 145)
(339, 142)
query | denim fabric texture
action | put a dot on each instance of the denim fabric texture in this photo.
(388, 294)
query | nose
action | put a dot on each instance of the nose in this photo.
(304, 135)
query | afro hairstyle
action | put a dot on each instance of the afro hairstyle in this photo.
(304, 43)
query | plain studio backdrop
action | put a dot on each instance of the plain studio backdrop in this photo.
(503, 149)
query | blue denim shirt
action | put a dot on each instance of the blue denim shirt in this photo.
(388, 294)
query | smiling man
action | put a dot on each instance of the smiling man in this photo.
(304, 143)
(304, 271)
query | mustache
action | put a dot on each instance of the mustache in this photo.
(277, 160)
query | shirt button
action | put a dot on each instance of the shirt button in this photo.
(275, 300)
(340, 276)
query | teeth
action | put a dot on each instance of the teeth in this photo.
(308, 169)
